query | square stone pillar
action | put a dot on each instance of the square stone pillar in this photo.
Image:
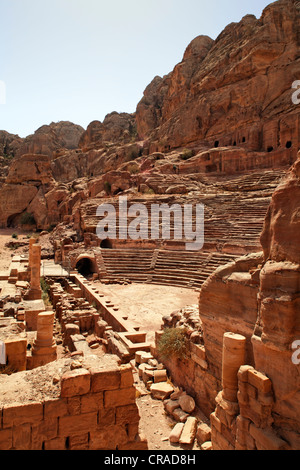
(32, 242)
(35, 291)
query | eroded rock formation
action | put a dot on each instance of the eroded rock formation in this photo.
(115, 127)
(225, 109)
(228, 91)
(51, 139)
(261, 297)
(219, 129)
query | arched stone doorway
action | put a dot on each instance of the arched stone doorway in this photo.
(85, 267)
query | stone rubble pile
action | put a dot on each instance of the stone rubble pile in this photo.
(188, 318)
(177, 403)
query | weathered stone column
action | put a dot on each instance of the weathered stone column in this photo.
(223, 429)
(35, 291)
(234, 352)
(44, 347)
(32, 242)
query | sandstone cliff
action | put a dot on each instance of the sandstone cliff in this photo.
(9, 144)
(116, 127)
(235, 90)
(51, 139)
(258, 296)
(225, 109)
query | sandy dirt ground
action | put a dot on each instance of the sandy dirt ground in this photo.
(156, 425)
(20, 245)
(146, 304)
(6, 253)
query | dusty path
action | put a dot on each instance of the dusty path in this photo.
(155, 424)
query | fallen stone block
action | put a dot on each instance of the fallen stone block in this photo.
(161, 391)
(206, 446)
(147, 375)
(171, 405)
(189, 431)
(180, 415)
(153, 363)
(177, 394)
(176, 433)
(160, 376)
(203, 433)
(141, 369)
(145, 357)
(138, 355)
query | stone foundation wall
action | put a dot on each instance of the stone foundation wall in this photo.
(247, 424)
(95, 410)
(228, 302)
(15, 348)
(193, 375)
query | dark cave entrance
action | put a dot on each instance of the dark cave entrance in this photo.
(85, 267)
(106, 244)
(13, 220)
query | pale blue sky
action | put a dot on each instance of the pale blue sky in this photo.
(78, 60)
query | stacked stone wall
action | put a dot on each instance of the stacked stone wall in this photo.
(95, 410)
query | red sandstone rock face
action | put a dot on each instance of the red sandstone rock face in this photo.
(230, 90)
(280, 276)
(76, 164)
(149, 108)
(50, 139)
(28, 179)
(258, 297)
(30, 168)
(228, 302)
(279, 304)
(233, 93)
(30, 188)
(280, 238)
(9, 143)
(115, 127)
(112, 183)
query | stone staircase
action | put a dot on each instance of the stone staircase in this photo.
(162, 267)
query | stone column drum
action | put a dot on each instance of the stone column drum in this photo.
(234, 353)
(44, 347)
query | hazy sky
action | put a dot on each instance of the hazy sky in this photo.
(78, 60)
